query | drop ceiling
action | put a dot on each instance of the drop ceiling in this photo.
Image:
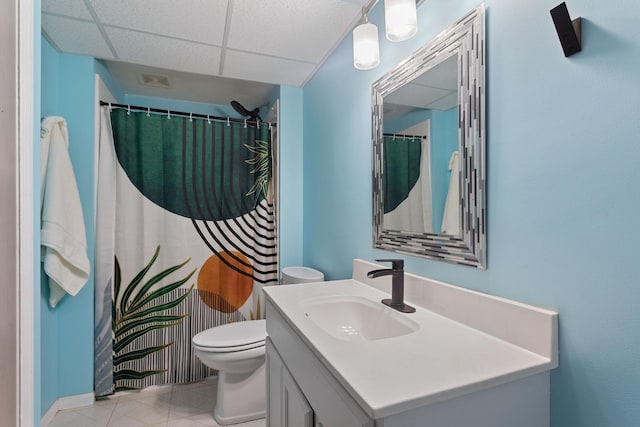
(435, 89)
(199, 44)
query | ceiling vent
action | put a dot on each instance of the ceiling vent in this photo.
(153, 80)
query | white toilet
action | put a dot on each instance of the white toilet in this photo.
(236, 350)
(292, 275)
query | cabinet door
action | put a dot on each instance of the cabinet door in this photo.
(286, 405)
(296, 409)
(274, 386)
(332, 404)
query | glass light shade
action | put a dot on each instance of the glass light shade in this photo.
(400, 19)
(366, 52)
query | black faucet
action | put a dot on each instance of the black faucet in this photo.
(397, 284)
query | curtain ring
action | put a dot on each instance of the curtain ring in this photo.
(109, 106)
(168, 115)
(208, 119)
(245, 123)
(190, 117)
(228, 124)
(128, 110)
(148, 111)
(269, 125)
(257, 123)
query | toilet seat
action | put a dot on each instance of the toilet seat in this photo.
(232, 337)
(214, 349)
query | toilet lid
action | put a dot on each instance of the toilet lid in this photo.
(233, 335)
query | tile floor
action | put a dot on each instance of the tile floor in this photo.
(188, 405)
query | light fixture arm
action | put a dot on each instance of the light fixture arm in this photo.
(368, 7)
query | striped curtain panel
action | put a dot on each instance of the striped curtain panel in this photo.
(185, 241)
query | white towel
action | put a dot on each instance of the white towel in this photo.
(451, 216)
(62, 233)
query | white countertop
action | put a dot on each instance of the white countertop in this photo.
(441, 360)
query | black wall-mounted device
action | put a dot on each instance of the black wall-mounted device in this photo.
(569, 32)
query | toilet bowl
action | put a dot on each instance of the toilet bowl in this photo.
(237, 352)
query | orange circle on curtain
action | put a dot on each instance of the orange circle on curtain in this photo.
(222, 284)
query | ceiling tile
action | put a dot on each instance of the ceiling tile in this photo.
(156, 51)
(444, 75)
(198, 20)
(448, 102)
(306, 31)
(63, 32)
(248, 66)
(415, 95)
(73, 8)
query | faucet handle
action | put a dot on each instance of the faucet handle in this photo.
(396, 264)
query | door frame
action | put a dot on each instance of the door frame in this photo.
(25, 197)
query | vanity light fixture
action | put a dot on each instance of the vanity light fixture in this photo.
(400, 19)
(366, 51)
(401, 23)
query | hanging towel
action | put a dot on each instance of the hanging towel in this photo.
(451, 216)
(62, 234)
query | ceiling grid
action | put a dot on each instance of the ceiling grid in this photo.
(270, 42)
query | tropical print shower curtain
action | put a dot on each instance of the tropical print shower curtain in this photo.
(185, 240)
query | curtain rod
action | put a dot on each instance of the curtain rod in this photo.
(401, 135)
(183, 114)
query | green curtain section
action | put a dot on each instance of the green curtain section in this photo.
(401, 169)
(192, 167)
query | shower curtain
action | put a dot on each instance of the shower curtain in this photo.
(185, 241)
(406, 184)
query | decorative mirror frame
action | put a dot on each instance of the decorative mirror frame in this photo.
(465, 39)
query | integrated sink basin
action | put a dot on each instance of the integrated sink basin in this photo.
(354, 318)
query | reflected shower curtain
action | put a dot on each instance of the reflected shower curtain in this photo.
(185, 241)
(406, 184)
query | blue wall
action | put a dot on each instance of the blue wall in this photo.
(66, 331)
(291, 177)
(108, 80)
(562, 185)
(444, 138)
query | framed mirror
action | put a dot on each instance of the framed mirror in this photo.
(428, 117)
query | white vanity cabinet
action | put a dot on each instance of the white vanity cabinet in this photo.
(301, 392)
(338, 357)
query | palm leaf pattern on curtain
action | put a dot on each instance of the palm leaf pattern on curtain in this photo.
(138, 310)
(262, 169)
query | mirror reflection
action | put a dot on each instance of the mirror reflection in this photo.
(420, 153)
(428, 132)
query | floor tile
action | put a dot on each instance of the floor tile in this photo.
(100, 415)
(180, 405)
(70, 419)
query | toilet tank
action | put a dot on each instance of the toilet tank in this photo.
(292, 275)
